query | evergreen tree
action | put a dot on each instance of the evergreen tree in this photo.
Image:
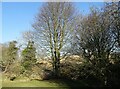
(28, 56)
(11, 54)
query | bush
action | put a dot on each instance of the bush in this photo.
(41, 71)
(70, 67)
(14, 70)
(47, 74)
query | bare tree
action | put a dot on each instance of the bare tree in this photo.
(96, 40)
(113, 8)
(52, 30)
(96, 35)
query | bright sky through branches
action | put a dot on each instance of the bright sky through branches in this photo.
(17, 17)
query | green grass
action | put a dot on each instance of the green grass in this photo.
(57, 83)
(33, 83)
(20, 82)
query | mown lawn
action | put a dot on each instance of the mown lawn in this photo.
(33, 83)
(57, 84)
(25, 82)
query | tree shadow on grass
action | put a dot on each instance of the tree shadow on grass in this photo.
(72, 84)
(69, 84)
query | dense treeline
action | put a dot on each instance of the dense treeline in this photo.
(76, 47)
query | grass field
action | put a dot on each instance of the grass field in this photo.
(33, 83)
(58, 83)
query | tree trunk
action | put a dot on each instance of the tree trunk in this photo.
(56, 64)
